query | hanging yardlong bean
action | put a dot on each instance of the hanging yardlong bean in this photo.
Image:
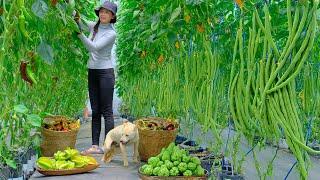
(274, 102)
(289, 16)
(283, 57)
(289, 135)
(293, 33)
(265, 30)
(232, 102)
(308, 41)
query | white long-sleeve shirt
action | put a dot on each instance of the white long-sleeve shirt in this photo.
(100, 48)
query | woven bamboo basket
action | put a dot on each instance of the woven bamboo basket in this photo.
(53, 141)
(69, 171)
(152, 141)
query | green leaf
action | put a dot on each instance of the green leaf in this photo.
(11, 163)
(161, 32)
(36, 140)
(172, 37)
(62, 13)
(175, 14)
(155, 19)
(72, 24)
(179, 23)
(228, 14)
(39, 8)
(34, 120)
(152, 38)
(20, 109)
(147, 32)
(46, 52)
(154, 26)
(70, 7)
(136, 13)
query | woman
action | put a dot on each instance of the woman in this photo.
(100, 71)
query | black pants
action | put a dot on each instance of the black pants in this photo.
(101, 87)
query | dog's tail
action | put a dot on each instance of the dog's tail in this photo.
(108, 155)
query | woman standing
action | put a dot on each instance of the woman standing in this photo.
(101, 77)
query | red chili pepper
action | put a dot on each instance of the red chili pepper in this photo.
(23, 71)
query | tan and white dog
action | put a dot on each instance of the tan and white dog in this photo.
(122, 135)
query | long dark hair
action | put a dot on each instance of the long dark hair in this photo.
(95, 30)
(114, 20)
(96, 26)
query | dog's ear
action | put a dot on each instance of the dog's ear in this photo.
(125, 121)
(135, 127)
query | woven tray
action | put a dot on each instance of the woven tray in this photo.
(69, 171)
(145, 177)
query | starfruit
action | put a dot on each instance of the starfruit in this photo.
(91, 160)
(46, 163)
(71, 165)
(79, 161)
(60, 156)
(62, 165)
(71, 152)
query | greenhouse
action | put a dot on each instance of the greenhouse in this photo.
(160, 90)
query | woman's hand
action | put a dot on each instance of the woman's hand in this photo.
(76, 16)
